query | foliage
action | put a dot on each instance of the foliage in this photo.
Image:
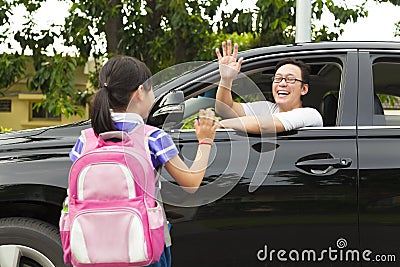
(247, 98)
(188, 123)
(397, 24)
(245, 40)
(394, 2)
(274, 21)
(161, 33)
(55, 78)
(12, 69)
(5, 130)
(397, 32)
(52, 75)
(388, 99)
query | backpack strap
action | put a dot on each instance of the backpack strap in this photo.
(90, 140)
(149, 130)
(141, 131)
(167, 236)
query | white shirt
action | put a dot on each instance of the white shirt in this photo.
(294, 119)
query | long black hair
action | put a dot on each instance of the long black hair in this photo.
(118, 79)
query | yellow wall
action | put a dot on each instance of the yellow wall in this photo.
(21, 100)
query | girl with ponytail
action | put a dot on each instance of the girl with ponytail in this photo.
(124, 100)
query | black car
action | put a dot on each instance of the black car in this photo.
(324, 196)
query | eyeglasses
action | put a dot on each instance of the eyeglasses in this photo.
(289, 79)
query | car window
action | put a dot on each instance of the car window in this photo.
(192, 107)
(386, 82)
(256, 84)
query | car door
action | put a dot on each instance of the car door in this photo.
(274, 200)
(379, 150)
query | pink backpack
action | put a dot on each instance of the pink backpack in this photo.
(112, 217)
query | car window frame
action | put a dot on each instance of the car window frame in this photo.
(366, 86)
(367, 59)
(347, 88)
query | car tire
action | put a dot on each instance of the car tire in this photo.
(29, 242)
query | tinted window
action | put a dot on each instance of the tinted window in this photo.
(386, 80)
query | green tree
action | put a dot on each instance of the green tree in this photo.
(53, 75)
(160, 32)
(274, 21)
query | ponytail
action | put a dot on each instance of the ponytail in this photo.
(100, 114)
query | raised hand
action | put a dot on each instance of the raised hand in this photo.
(206, 125)
(228, 66)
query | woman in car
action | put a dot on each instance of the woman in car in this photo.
(290, 83)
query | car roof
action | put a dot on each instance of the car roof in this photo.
(337, 45)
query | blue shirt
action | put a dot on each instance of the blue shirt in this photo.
(162, 148)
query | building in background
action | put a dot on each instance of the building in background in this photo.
(16, 106)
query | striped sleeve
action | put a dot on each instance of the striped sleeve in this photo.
(162, 148)
(77, 149)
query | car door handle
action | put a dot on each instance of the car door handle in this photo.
(334, 162)
(323, 166)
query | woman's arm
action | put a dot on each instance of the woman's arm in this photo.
(254, 124)
(224, 104)
(228, 69)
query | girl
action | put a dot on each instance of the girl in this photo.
(125, 98)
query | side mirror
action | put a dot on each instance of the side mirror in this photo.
(167, 110)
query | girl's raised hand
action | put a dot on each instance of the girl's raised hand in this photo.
(206, 125)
